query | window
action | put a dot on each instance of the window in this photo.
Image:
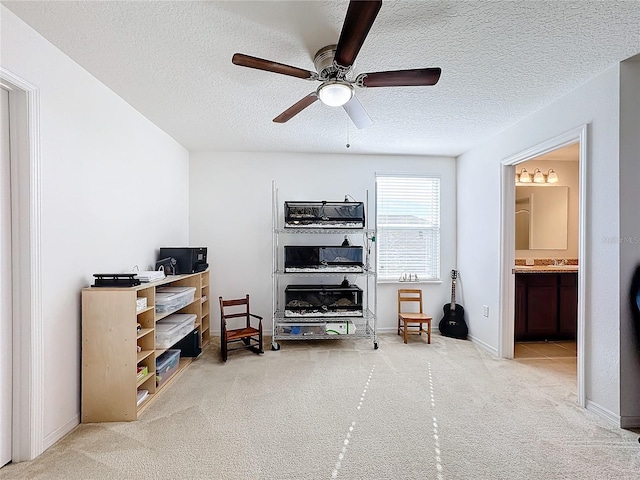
(408, 223)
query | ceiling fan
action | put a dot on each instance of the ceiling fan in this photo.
(333, 64)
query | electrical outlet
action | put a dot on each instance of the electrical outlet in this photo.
(485, 310)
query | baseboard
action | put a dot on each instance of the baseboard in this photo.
(629, 422)
(486, 346)
(387, 330)
(602, 412)
(60, 432)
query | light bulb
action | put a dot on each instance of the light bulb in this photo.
(335, 93)
(538, 176)
(525, 177)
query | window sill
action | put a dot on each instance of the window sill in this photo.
(398, 282)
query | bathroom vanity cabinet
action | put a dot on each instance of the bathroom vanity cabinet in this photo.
(546, 306)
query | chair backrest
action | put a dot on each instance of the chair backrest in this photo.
(234, 308)
(409, 295)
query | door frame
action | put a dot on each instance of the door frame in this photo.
(507, 238)
(28, 339)
(6, 310)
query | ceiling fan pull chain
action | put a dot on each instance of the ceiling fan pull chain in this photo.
(348, 144)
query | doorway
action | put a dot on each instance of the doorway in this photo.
(23, 438)
(546, 219)
(510, 167)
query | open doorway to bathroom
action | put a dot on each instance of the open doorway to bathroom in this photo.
(546, 222)
(542, 316)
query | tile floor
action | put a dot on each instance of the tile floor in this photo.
(545, 350)
(559, 357)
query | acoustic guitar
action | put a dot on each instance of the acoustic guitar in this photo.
(453, 324)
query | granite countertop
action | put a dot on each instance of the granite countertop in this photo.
(545, 268)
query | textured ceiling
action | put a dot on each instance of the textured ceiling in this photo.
(501, 60)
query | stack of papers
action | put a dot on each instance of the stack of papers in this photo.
(150, 276)
(142, 394)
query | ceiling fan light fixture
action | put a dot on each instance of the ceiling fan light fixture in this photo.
(335, 93)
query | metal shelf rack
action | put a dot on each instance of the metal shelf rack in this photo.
(315, 327)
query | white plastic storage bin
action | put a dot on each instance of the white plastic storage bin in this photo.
(170, 299)
(346, 328)
(173, 328)
(166, 365)
(301, 329)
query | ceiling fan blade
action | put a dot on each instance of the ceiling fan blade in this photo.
(296, 108)
(357, 114)
(402, 78)
(357, 23)
(269, 66)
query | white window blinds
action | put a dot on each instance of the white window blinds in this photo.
(408, 223)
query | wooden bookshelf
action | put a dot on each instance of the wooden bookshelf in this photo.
(113, 347)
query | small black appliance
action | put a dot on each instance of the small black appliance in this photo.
(188, 259)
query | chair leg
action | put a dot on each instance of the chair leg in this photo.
(429, 331)
(398, 324)
(223, 348)
(406, 326)
(259, 348)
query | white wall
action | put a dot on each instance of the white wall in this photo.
(230, 208)
(596, 103)
(629, 237)
(114, 189)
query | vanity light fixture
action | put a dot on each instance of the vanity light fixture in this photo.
(524, 177)
(538, 176)
(552, 176)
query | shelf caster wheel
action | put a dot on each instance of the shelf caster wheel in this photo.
(275, 346)
(375, 345)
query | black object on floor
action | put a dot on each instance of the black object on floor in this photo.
(189, 346)
(634, 300)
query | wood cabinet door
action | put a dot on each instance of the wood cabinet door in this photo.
(520, 327)
(537, 305)
(568, 307)
(542, 311)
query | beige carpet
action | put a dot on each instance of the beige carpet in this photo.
(340, 409)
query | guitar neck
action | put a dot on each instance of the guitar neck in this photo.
(454, 275)
(453, 294)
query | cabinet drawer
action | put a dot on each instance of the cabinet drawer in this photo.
(540, 279)
(568, 279)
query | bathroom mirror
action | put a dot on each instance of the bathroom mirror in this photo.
(541, 217)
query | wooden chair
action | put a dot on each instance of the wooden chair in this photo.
(412, 320)
(245, 334)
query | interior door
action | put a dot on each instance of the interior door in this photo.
(6, 320)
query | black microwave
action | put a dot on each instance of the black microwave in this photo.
(187, 259)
